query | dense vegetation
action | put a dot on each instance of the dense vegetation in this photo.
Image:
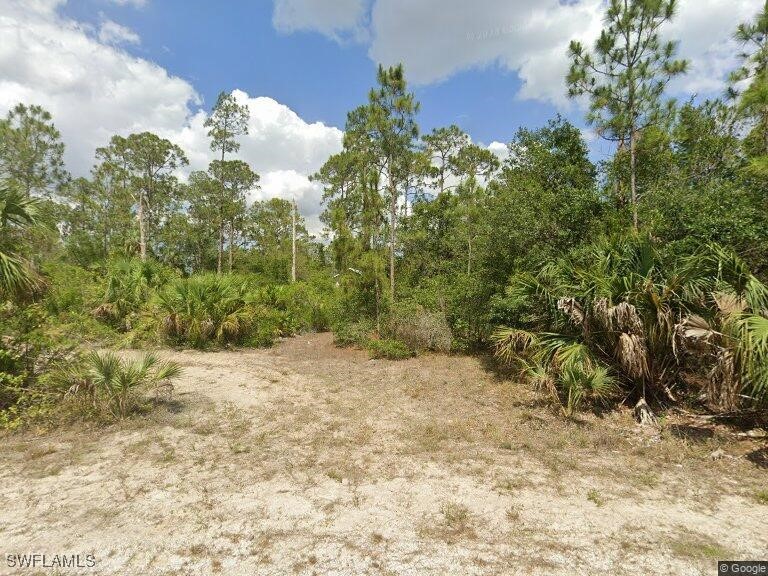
(639, 279)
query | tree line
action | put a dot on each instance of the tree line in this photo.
(133, 203)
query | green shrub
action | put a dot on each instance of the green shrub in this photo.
(130, 285)
(207, 308)
(622, 314)
(303, 306)
(72, 290)
(352, 333)
(389, 349)
(115, 384)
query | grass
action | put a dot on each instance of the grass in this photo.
(510, 485)
(455, 523)
(761, 496)
(389, 349)
(595, 497)
(694, 546)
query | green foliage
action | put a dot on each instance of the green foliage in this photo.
(389, 349)
(130, 285)
(207, 309)
(352, 333)
(419, 328)
(233, 310)
(17, 214)
(619, 312)
(31, 151)
(626, 74)
(115, 383)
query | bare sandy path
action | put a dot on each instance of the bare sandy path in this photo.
(307, 459)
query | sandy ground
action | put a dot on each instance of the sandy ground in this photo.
(307, 459)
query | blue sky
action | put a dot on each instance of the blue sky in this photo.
(218, 47)
(105, 67)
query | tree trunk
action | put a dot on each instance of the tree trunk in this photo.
(632, 176)
(221, 247)
(142, 231)
(392, 233)
(231, 244)
(221, 216)
(293, 242)
(643, 413)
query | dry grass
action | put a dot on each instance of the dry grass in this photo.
(311, 459)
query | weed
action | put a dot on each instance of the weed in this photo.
(594, 496)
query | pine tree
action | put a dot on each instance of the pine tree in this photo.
(626, 74)
(753, 101)
(227, 121)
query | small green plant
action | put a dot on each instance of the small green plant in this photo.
(389, 349)
(114, 383)
(594, 496)
(762, 497)
(207, 308)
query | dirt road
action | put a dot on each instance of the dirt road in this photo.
(307, 459)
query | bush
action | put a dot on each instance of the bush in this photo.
(389, 349)
(622, 314)
(301, 306)
(111, 384)
(130, 285)
(207, 309)
(352, 333)
(419, 328)
(214, 309)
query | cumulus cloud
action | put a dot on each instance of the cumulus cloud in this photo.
(337, 19)
(95, 90)
(293, 185)
(436, 39)
(113, 33)
(92, 89)
(500, 149)
(282, 147)
(705, 29)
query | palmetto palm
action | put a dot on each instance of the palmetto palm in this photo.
(17, 212)
(207, 308)
(620, 316)
(118, 379)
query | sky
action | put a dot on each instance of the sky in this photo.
(105, 67)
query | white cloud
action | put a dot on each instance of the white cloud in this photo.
(283, 148)
(113, 33)
(95, 90)
(92, 89)
(436, 39)
(337, 19)
(499, 149)
(134, 3)
(292, 185)
(705, 29)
